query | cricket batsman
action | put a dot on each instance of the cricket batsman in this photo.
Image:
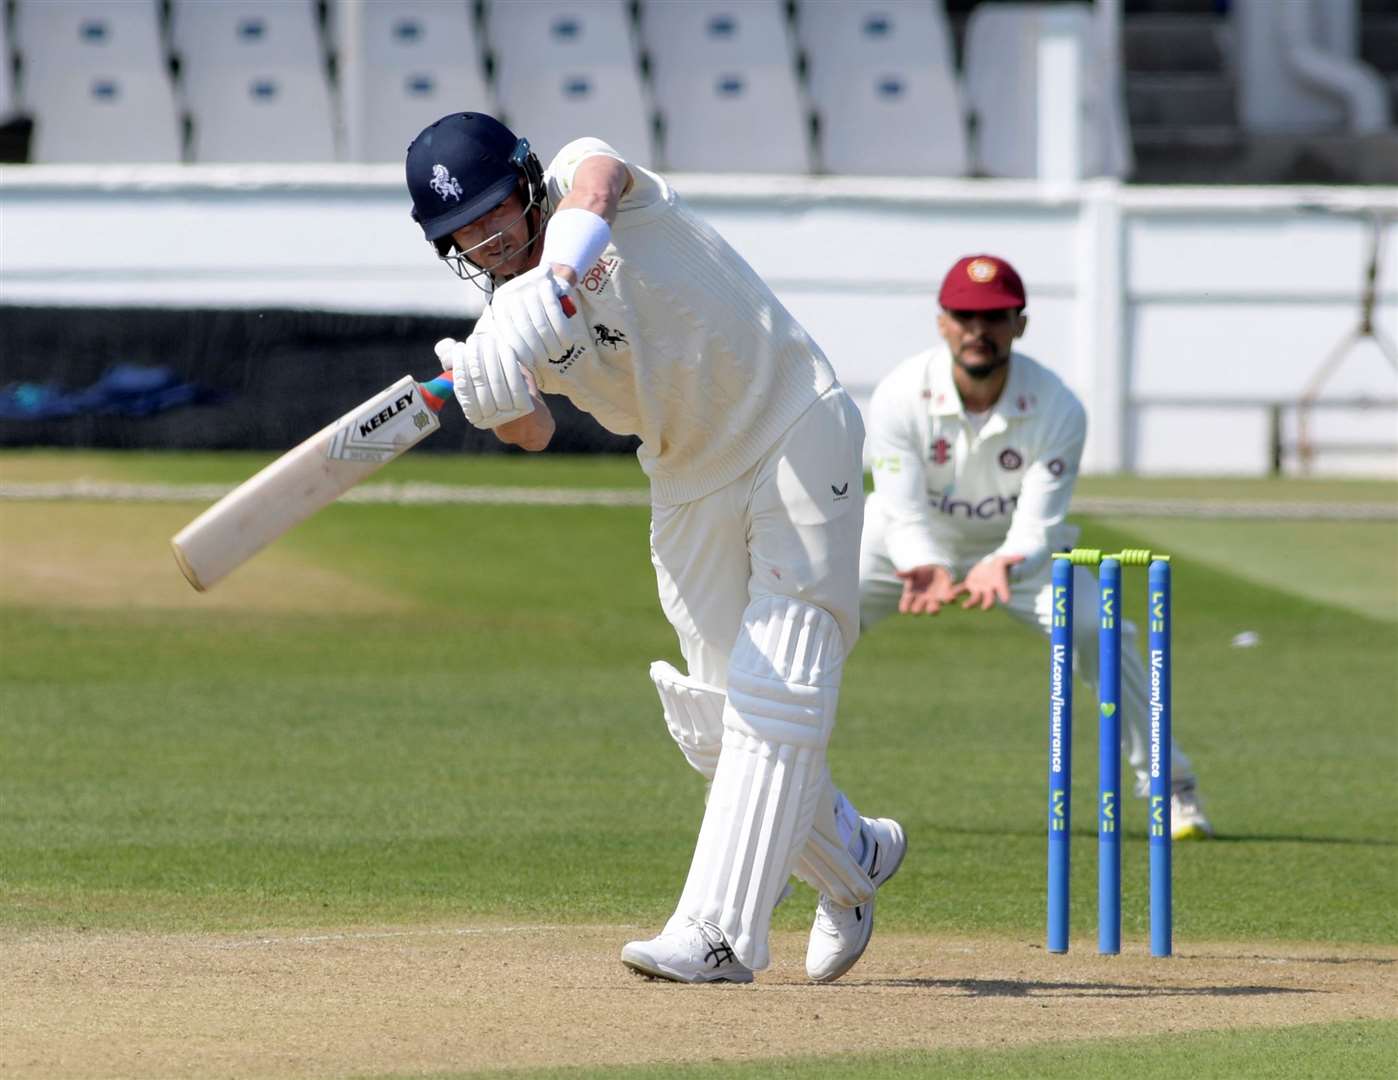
(605, 287)
(975, 451)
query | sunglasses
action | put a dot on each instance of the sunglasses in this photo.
(994, 317)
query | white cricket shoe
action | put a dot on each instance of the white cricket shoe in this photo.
(1187, 818)
(692, 952)
(840, 935)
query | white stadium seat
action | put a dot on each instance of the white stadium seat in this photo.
(895, 123)
(560, 106)
(281, 117)
(126, 117)
(1003, 38)
(567, 68)
(254, 78)
(116, 34)
(245, 33)
(419, 60)
(411, 33)
(707, 34)
(862, 35)
(736, 121)
(724, 74)
(399, 104)
(883, 82)
(533, 37)
(96, 82)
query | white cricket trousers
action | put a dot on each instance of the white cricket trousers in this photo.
(789, 526)
(1030, 601)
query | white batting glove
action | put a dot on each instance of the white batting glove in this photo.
(488, 380)
(528, 316)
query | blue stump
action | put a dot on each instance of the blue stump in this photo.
(1161, 899)
(1109, 757)
(1060, 774)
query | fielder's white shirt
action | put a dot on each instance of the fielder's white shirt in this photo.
(690, 349)
(950, 494)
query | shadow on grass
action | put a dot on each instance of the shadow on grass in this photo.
(1027, 988)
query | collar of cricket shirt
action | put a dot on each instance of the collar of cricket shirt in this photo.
(1018, 398)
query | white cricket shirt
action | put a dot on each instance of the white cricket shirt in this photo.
(951, 495)
(690, 349)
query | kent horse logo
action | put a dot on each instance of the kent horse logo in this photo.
(444, 184)
(605, 336)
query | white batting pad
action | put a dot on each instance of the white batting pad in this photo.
(825, 862)
(783, 686)
(694, 715)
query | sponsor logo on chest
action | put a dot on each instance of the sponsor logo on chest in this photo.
(596, 280)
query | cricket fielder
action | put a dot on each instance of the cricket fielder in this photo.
(975, 452)
(606, 288)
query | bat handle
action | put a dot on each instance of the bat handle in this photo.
(437, 392)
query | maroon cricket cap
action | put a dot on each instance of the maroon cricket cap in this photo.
(981, 283)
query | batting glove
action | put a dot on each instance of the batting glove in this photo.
(527, 315)
(487, 379)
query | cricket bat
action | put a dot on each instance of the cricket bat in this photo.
(308, 477)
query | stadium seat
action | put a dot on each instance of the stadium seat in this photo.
(566, 68)
(553, 109)
(242, 117)
(705, 35)
(864, 35)
(725, 85)
(246, 34)
(419, 60)
(530, 38)
(254, 78)
(96, 82)
(895, 123)
(747, 120)
(883, 83)
(412, 33)
(1003, 38)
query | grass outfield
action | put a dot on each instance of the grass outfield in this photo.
(1343, 1051)
(408, 716)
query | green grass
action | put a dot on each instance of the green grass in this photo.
(228, 467)
(1353, 566)
(1342, 1050)
(601, 470)
(498, 750)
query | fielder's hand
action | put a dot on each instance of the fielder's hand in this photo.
(926, 589)
(989, 581)
(489, 382)
(527, 314)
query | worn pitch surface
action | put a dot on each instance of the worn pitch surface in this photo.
(427, 999)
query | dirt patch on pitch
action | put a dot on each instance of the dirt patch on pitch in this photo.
(103, 556)
(418, 1001)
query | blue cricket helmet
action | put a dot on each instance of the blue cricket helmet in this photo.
(463, 166)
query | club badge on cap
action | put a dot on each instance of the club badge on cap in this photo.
(981, 283)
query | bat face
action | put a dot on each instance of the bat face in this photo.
(384, 426)
(307, 478)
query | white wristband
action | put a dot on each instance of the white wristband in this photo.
(575, 237)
